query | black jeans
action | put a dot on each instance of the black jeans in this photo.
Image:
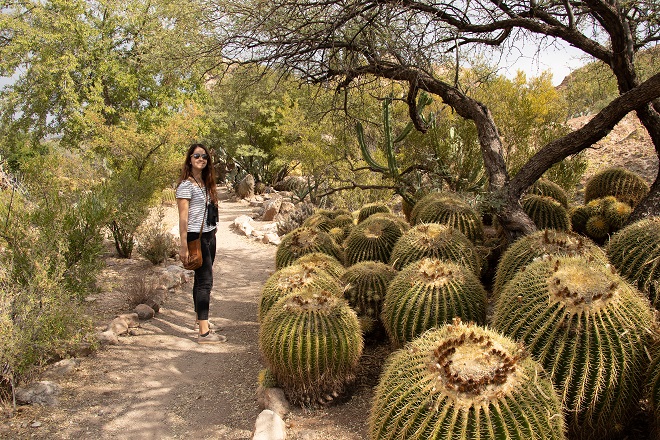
(204, 274)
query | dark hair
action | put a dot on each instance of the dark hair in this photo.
(208, 175)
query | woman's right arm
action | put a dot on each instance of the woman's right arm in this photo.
(183, 205)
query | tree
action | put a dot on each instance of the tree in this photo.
(347, 42)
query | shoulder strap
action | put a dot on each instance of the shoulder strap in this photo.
(206, 197)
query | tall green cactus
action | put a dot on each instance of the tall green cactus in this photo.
(588, 328)
(392, 168)
(464, 382)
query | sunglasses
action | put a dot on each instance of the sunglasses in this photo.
(203, 156)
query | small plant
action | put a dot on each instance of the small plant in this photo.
(462, 381)
(295, 219)
(139, 291)
(153, 243)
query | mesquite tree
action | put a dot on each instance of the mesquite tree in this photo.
(346, 42)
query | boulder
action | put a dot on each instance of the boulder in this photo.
(273, 399)
(269, 426)
(271, 209)
(245, 188)
(38, 393)
(144, 312)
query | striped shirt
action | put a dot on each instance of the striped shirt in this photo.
(195, 194)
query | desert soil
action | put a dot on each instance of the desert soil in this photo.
(161, 384)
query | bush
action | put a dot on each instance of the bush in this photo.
(153, 243)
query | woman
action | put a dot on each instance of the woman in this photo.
(195, 192)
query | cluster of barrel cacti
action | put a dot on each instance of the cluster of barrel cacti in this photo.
(567, 351)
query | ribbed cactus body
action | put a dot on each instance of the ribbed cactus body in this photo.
(438, 241)
(625, 185)
(464, 382)
(312, 343)
(546, 242)
(579, 216)
(448, 209)
(372, 208)
(292, 279)
(303, 241)
(372, 240)
(365, 288)
(635, 252)
(588, 328)
(548, 188)
(653, 389)
(403, 225)
(429, 293)
(323, 261)
(546, 212)
(597, 228)
(318, 221)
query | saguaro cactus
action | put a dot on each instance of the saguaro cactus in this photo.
(464, 382)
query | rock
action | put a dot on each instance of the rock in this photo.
(154, 303)
(246, 187)
(271, 238)
(287, 207)
(83, 349)
(273, 399)
(63, 367)
(35, 424)
(38, 393)
(118, 326)
(144, 312)
(107, 337)
(243, 223)
(269, 426)
(271, 209)
(131, 319)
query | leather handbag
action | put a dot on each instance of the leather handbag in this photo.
(195, 259)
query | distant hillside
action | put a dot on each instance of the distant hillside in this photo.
(590, 88)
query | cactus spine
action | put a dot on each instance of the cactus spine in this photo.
(464, 382)
(448, 209)
(546, 242)
(625, 185)
(437, 241)
(303, 241)
(546, 212)
(292, 279)
(312, 343)
(635, 252)
(429, 293)
(588, 328)
(365, 288)
(372, 240)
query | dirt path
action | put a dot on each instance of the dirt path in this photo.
(163, 385)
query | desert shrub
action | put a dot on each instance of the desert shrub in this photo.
(130, 200)
(153, 243)
(49, 261)
(139, 291)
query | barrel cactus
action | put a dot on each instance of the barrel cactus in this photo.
(464, 382)
(548, 188)
(546, 212)
(546, 242)
(318, 221)
(323, 261)
(597, 228)
(303, 241)
(372, 240)
(579, 216)
(438, 241)
(312, 343)
(371, 208)
(292, 279)
(588, 328)
(449, 209)
(365, 287)
(635, 252)
(653, 389)
(429, 293)
(625, 185)
(400, 221)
